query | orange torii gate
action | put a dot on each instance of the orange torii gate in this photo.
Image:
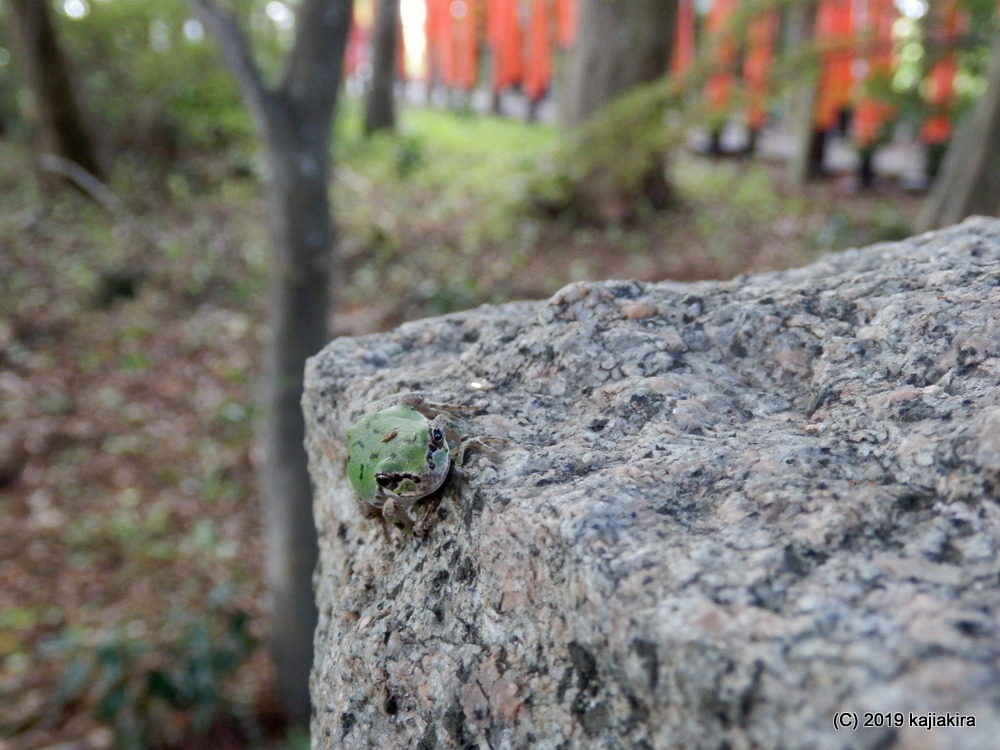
(836, 41)
(520, 37)
(761, 34)
(718, 88)
(872, 113)
(450, 28)
(503, 34)
(855, 47)
(538, 51)
(683, 52)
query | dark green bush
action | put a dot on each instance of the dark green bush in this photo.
(157, 694)
(146, 85)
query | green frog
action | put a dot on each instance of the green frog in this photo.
(401, 453)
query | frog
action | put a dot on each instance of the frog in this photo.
(400, 454)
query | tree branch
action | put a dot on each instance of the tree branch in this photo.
(83, 179)
(235, 51)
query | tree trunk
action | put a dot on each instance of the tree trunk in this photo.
(380, 108)
(807, 145)
(294, 123)
(969, 182)
(619, 43)
(57, 113)
(298, 305)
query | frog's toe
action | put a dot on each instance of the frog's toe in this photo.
(484, 443)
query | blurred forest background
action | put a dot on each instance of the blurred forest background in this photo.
(482, 151)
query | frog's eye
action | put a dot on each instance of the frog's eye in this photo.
(385, 480)
(437, 437)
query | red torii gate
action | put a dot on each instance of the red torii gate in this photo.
(521, 36)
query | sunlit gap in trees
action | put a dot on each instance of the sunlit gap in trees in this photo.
(76, 8)
(908, 39)
(412, 18)
(413, 14)
(280, 14)
(193, 30)
(911, 48)
(912, 8)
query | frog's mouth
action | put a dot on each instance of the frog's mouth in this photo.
(404, 484)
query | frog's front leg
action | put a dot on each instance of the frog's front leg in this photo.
(429, 516)
(374, 513)
(396, 514)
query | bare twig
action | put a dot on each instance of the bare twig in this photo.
(83, 179)
(235, 53)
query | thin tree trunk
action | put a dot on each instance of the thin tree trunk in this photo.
(969, 181)
(294, 123)
(807, 145)
(298, 306)
(57, 112)
(619, 43)
(380, 108)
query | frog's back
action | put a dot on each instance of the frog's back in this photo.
(372, 442)
(357, 465)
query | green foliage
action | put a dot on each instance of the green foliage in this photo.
(409, 155)
(884, 224)
(297, 739)
(731, 202)
(155, 693)
(728, 201)
(147, 86)
(603, 171)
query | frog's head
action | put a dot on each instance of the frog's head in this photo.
(419, 469)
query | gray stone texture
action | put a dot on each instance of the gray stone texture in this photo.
(724, 512)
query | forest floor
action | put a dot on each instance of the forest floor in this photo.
(132, 606)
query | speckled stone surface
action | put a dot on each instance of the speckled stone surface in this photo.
(724, 512)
